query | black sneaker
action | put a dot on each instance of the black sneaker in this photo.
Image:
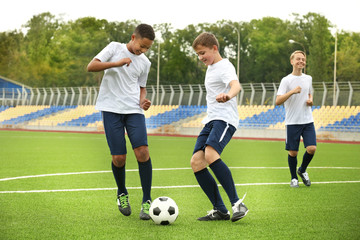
(215, 215)
(123, 204)
(305, 177)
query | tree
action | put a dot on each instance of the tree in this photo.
(319, 57)
(348, 57)
(41, 29)
(11, 53)
(266, 58)
(52, 53)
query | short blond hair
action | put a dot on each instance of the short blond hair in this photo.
(205, 39)
(297, 51)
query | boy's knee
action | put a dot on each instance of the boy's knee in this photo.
(293, 153)
(197, 163)
(142, 153)
(311, 150)
(119, 160)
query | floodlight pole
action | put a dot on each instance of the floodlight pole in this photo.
(158, 75)
(334, 95)
(292, 42)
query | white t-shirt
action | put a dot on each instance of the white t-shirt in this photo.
(120, 86)
(296, 110)
(217, 79)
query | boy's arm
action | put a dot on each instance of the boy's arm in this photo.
(144, 103)
(310, 102)
(280, 99)
(96, 65)
(234, 90)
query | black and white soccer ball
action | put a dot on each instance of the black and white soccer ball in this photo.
(163, 211)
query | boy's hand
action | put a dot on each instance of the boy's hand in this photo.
(297, 90)
(309, 102)
(124, 61)
(222, 97)
(145, 104)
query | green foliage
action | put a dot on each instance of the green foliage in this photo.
(49, 52)
(348, 57)
(268, 50)
(319, 51)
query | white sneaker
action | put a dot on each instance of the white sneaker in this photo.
(239, 210)
(294, 183)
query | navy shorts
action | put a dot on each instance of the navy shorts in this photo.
(115, 125)
(293, 133)
(216, 134)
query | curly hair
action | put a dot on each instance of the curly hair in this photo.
(145, 31)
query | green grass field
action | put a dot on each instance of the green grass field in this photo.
(36, 202)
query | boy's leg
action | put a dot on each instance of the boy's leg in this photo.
(206, 180)
(119, 175)
(223, 174)
(219, 137)
(309, 137)
(136, 130)
(115, 136)
(293, 133)
(210, 188)
(145, 173)
(292, 161)
(307, 157)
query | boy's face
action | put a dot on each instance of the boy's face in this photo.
(298, 61)
(139, 45)
(206, 55)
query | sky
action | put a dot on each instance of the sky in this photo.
(343, 14)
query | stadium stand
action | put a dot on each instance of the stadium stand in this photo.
(66, 116)
(174, 115)
(329, 118)
(3, 108)
(25, 114)
(15, 112)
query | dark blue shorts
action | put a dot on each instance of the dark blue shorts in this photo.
(216, 134)
(115, 125)
(293, 133)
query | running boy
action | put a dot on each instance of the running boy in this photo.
(222, 87)
(122, 99)
(295, 92)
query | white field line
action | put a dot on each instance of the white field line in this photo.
(164, 187)
(155, 169)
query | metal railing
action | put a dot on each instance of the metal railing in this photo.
(347, 94)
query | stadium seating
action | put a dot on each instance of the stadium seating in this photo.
(329, 118)
(14, 112)
(66, 117)
(174, 115)
(3, 108)
(25, 114)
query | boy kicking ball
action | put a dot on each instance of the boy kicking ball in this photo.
(222, 87)
(122, 102)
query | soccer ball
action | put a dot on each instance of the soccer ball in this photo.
(163, 211)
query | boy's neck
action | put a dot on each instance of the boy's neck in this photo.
(297, 71)
(217, 58)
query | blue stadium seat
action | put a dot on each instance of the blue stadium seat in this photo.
(35, 115)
